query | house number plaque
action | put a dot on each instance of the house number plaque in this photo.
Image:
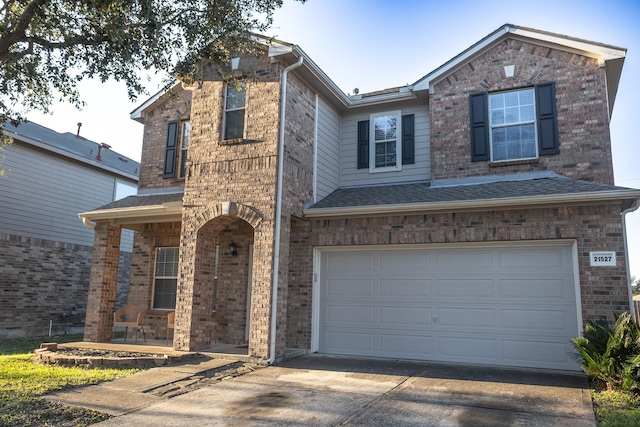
(602, 259)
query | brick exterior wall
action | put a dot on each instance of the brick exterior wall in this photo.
(176, 106)
(42, 280)
(583, 117)
(247, 168)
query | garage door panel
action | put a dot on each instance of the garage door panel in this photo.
(529, 351)
(363, 315)
(338, 263)
(467, 286)
(355, 341)
(349, 287)
(530, 259)
(395, 345)
(408, 317)
(469, 317)
(468, 348)
(401, 262)
(411, 287)
(512, 306)
(547, 288)
(550, 321)
(464, 260)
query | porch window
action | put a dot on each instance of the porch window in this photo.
(166, 279)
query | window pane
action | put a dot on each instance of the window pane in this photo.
(166, 280)
(385, 154)
(235, 97)
(234, 125)
(164, 295)
(186, 131)
(517, 109)
(514, 142)
(384, 127)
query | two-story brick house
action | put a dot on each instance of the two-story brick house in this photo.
(469, 217)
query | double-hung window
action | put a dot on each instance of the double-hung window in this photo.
(184, 146)
(385, 141)
(513, 125)
(234, 106)
(166, 278)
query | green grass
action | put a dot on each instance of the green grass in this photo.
(616, 408)
(22, 382)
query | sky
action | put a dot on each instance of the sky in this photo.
(373, 45)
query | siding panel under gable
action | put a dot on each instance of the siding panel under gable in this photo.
(42, 194)
(420, 171)
(328, 157)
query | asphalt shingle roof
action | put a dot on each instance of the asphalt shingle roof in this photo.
(140, 201)
(76, 145)
(425, 193)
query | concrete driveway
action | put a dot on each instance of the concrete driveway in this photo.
(326, 391)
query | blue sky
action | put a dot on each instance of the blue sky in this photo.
(374, 45)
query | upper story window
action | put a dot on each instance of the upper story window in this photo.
(234, 106)
(176, 149)
(386, 142)
(515, 125)
(185, 131)
(385, 150)
(512, 120)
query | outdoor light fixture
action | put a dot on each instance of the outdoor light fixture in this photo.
(233, 249)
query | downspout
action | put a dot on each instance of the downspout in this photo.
(276, 246)
(633, 207)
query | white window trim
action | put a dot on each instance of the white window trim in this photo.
(182, 173)
(372, 143)
(153, 291)
(225, 111)
(534, 122)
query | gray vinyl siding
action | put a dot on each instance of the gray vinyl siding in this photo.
(328, 154)
(42, 194)
(420, 171)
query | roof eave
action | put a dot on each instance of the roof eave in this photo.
(476, 205)
(165, 212)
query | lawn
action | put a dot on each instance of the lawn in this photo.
(616, 409)
(22, 382)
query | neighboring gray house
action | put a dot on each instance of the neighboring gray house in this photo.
(45, 251)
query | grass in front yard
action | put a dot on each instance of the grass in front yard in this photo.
(22, 382)
(616, 408)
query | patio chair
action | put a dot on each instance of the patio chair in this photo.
(131, 316)
(171, 318)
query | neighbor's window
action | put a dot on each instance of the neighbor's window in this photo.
(385, 141)
(166, 279)
(185, 131)
(513, 125)
(234, 106)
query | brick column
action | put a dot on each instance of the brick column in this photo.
(103, 283)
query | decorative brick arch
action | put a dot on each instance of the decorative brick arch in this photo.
(247, 213)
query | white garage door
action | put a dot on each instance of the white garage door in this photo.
(509, 306)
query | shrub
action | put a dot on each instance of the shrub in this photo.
(612, 355)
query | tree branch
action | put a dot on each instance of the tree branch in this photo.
(20, 28)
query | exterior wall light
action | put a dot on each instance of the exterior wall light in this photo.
(233, 248)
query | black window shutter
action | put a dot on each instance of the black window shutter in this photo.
(363, 144)
(479, 120)
(170, 152)
(408, 140)
(547, 119)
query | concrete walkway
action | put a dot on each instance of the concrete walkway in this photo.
(326, 391)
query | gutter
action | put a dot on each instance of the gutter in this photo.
(276, 246)
(466, 205)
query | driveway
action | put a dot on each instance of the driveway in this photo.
(327, 391)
